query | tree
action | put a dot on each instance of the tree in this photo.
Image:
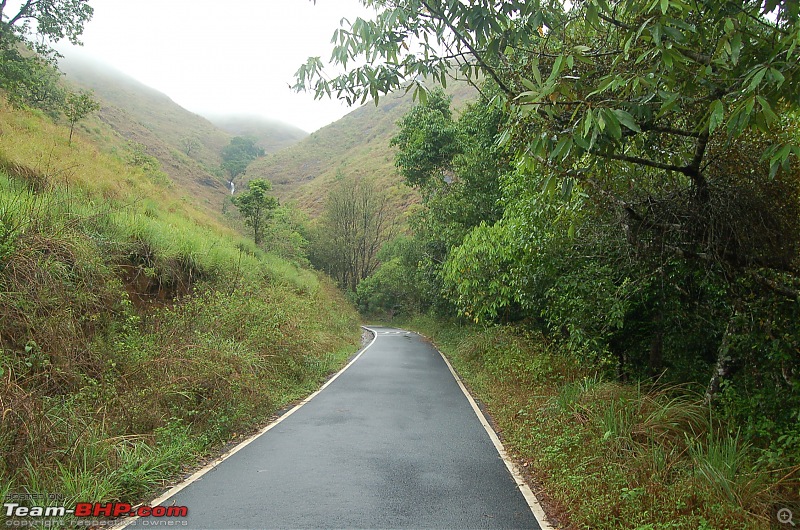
(77, 107)
(256, 206)
(428, 140)
(663, 135)
(41, 22)
(190, 144)
(33, 25)
(355, 224)
(237, 155)
(646, 83)
(31, 81)
(634, 103)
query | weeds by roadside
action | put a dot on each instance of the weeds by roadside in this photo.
(613, 455)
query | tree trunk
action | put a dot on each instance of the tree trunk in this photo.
(724, 364)
(656, 362)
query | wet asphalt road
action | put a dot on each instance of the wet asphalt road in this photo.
(391, 443)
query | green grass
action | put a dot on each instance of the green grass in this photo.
(607, 454)
(137, 333)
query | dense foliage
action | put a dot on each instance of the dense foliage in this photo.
(631, 185)
(237, 155)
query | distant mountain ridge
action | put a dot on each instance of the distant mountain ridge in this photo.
(302, 167)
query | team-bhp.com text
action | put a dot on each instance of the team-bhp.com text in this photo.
(94, 509)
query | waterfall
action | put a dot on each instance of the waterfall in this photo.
(233, 186)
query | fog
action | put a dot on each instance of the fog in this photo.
(219, 58)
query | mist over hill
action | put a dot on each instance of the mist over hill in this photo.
(187, 145)
(272, 135)
(148, 118)
(302, 167)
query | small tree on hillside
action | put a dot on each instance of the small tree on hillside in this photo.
(256, 206)
(190, 144)
(78, 106)
(237, 155)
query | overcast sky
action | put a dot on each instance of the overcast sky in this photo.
(222, 57)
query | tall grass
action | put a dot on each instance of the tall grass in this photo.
(607, 454)
(136, 332)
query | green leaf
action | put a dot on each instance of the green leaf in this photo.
(612, 124)
(528, 84)
(549, 185)
(587, 123)
(537, 74)
(736, 48)
(591, 15)
(769, 116)
(729, 27)
(504, 137)
(626, 119)
(664, 6)
(566, 189)
(562, 149)
(668, 104)
(756, 77)
(777, 76)
(556, 69)
(423, 95)
(717, 115)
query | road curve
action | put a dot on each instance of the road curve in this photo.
(391, 443)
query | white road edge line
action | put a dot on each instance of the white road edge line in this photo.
(530, 498)
(199, 473)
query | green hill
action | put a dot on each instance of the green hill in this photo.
(138, 331)
(145, 117)
(357, 144)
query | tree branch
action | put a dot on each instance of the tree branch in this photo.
(776, 287)
(668, 130)
(694, 166)
(615, 22)
(492, 73)
(22, 13)
(686, 170)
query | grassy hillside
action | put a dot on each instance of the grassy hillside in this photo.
(272, 135)
(357, 144)
(157, 126)
(136, 331)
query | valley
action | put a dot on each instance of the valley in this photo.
(563, 248)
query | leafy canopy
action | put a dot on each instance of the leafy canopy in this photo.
(237, 155)
(33, 25)
(601, 78)
(38, 23)
(256, 206)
